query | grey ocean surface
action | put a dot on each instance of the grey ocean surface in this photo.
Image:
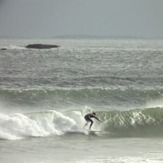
(44, 95)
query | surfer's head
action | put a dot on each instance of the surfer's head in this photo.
(93, 113)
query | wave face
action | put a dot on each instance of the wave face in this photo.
(139, 122)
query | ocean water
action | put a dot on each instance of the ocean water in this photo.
(44, 95)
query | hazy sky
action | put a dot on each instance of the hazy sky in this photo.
(48, 18)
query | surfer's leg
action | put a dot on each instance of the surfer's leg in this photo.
(91, 124)
(87, 120)
(86, 124)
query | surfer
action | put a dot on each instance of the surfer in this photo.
(88, 119)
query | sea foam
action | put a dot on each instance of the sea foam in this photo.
(40, 124)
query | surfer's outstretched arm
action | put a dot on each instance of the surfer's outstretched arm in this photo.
(97, 119)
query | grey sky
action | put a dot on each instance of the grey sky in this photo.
(48, 18)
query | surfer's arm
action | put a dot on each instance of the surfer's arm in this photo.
(97, 119)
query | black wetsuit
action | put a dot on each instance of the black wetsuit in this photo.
(88, 117)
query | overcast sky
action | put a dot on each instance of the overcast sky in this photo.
(49, 18)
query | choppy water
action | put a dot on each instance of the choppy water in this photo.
(44, 95)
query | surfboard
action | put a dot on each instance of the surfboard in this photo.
(93, 132)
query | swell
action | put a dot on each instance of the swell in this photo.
(96, 96)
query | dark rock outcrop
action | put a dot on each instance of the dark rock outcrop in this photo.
(3, 48)
(41, 46)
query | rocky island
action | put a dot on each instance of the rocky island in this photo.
(41, 46)
(3, 48)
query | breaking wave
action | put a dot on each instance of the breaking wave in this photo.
(41, 113)
(131, 123)
(39, 124)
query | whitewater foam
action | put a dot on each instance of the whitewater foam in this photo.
(40, 124)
